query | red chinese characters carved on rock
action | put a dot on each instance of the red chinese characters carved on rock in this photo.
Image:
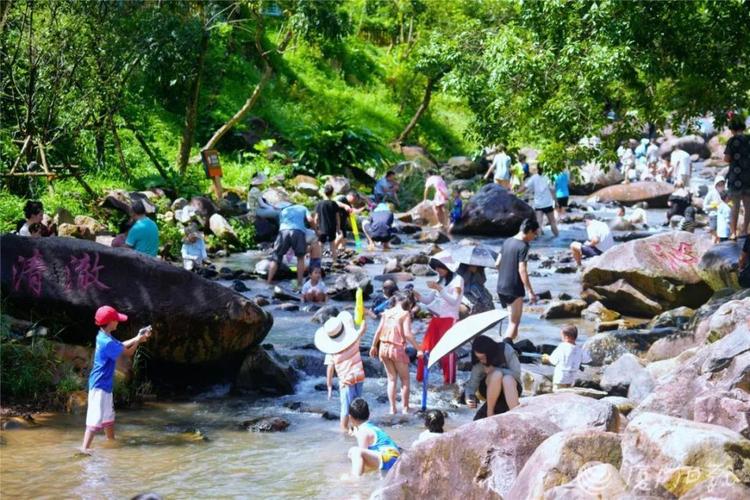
(29, 271)
(82, 273)
(675, 258)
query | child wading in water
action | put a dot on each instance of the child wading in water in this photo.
(339, 338)
(101, 413)
(389, 344)
(567, 359)
(434, 421)
(375, 449)
(314, 290)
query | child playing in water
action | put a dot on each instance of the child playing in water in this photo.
(101, 414)
(314, 290)
(389, 344)
(375, 449)
(385, 301)
(434, 422)
(567, 359)
(339, 338)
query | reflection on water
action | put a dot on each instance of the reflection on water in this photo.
(159, 450)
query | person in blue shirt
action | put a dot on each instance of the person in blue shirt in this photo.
(144, 235)
(386, 189)
(100, 413)
(562, 192)
(291, 235)
(375, 449)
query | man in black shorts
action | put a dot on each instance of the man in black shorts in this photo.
(328, 221)
(291, 235)
(513, 278)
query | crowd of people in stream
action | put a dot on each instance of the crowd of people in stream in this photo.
(306, 237)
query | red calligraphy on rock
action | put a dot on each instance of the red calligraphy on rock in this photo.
(82, 273)
(675, 258)
(29, 271)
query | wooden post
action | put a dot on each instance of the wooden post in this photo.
(26, 143)
(45, 167)
(218, 190)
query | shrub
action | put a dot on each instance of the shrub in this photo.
(26, 368)
(245, 234)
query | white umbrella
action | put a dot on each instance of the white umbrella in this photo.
(464, 331)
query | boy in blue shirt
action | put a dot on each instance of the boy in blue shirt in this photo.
(375, 449)
(101, 413)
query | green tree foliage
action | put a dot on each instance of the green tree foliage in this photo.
(555, 72)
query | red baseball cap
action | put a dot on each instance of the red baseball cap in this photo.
(107, 314)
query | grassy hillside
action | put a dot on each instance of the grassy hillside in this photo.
(361, 87)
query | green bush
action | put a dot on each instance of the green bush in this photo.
(170, 238)
(245, 234)
(26, 368)
(11, 211)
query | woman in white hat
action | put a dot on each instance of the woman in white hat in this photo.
(339, 339)
(443, 302)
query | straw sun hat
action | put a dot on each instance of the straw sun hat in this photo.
(336, 334)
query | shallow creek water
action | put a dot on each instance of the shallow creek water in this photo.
(306, 461)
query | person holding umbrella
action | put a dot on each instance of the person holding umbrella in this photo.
(443, 301)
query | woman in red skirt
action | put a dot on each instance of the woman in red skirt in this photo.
(443, 302)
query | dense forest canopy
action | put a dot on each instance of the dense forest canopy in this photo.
(131, 91)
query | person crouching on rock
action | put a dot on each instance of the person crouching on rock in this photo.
(314, 290)
(496, 375)
(389, 344)
(443, 302)
(339, 338)
(375, 449)
(100, 413)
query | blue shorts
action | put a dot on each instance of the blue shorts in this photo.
(347, 394)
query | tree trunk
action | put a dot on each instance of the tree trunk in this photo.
(420, 111)
(265, 77)
(191, 109)
(100, 144)
(4, 10)
(142, 141)
(118, 148)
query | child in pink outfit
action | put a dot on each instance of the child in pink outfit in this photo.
(389, 344)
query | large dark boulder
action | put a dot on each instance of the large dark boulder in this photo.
(691, 144)
(653, 193)
(719, 266)
(663, 268)
(493, 211)
(196, 322)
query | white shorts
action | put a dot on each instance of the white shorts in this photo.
(101, 411)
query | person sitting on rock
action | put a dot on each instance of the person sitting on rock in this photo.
(389, 345)
(375, 449)
(496, 375)
(291, 235)
(688, 220)
(567, 359)
(711, 203)
(599, 240)
(314, 290)
(440, 198)
(339, 338)
(678, 201)
(143, 236)
(33, 211)
(379, 227)
(193, 248)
